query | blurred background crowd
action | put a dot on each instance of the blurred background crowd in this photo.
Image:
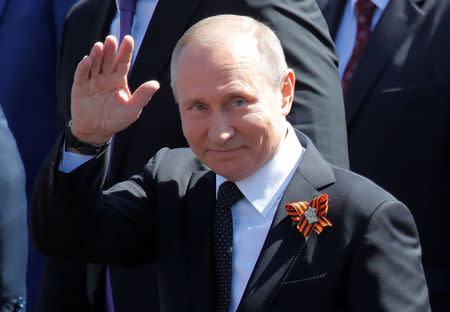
(394, 64)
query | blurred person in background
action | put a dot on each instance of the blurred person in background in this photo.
(13, 225)
(395, 70)
(29, 35)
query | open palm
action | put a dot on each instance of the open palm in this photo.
(101, 103)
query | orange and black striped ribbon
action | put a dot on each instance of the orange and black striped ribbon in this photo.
(297, 213)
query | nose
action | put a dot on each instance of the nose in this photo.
(220, 130)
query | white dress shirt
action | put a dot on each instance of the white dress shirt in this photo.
(253, 215)
(142, 17)
(346, 35)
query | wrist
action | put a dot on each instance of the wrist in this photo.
(74, 144)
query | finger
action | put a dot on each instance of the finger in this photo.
(97, 58)
(109, 51)
(123, 58)
(144, 93)
(82, 71)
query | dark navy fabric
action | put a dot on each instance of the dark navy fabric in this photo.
(29, 36)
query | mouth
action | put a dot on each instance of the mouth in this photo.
(223, 152)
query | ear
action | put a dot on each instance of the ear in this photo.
(287, 91)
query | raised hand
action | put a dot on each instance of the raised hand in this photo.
(102, 103)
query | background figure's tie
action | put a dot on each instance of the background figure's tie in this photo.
(364, 12)
(227, 196)
(127, 8)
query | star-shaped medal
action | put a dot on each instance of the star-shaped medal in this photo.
(310, 215)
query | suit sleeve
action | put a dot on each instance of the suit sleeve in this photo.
(13, 227)
(318, 108)
(73, 217)
(386, 273)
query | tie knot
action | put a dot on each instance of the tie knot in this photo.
(127, 5)
(228, 195)
(364, 8)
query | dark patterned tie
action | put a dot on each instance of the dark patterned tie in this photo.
(127, 8)
(227, 196)
(364, 12)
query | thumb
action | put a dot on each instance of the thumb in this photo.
(144, 93)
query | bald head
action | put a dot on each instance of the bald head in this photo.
(216, 31)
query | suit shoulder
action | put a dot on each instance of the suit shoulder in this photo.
(80, 8)
(82, 14)
(91, 6)
(168, 164)
(359, 183)
(357, 194)
(356, 205)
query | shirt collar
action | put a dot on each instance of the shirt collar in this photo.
(266, 185)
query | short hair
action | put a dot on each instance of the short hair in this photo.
(273, 62)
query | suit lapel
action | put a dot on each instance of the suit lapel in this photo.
(284, 243)
(399, 19)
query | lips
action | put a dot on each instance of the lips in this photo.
(218, 150)
(223, 151)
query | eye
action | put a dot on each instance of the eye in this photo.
(199, 107)
(238, 102)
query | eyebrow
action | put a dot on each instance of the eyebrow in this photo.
(235, 91)
(192, 102)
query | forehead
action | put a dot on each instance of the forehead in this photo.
(228, 63)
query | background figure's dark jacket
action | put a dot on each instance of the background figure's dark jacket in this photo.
(398, 119)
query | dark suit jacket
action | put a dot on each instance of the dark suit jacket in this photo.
(369, 260)
(318, 110)
(397, 110)
(13, 225)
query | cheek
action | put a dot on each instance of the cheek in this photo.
(187, 127)
(193, 131)
(257, 134)
(259, 125)
(268, 133)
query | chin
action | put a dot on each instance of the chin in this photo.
(234, 175)
(229, 173)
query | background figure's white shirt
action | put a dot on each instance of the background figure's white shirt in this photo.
(346, 35)
(142, 17)
(253, 215)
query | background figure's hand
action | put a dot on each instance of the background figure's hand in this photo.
(102, 104)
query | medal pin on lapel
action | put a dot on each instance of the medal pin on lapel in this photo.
(310, 216)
